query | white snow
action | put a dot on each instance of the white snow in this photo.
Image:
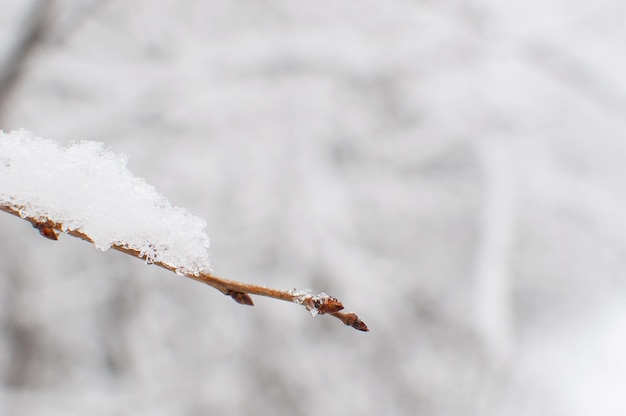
(87, 187)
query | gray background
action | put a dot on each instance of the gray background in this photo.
(453, 171)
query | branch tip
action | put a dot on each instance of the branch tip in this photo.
(352, 319)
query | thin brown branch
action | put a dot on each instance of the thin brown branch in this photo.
(319, 304)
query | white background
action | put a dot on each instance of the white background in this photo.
(453, 171)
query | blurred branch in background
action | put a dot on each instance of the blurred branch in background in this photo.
(30, 35)
(587, 77)
(493, 279)
(23, 339)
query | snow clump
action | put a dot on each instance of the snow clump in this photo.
(87, 187)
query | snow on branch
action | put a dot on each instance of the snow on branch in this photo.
(85, 190)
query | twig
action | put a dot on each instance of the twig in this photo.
(319, 304)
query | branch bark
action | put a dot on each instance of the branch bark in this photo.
(319, 304)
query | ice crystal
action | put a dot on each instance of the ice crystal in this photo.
(316, 304)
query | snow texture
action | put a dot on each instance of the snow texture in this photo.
(86, 187)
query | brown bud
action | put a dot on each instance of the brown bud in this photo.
(240, 297)
(327, 304)
(46, 231)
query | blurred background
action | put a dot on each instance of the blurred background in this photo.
(453, 171)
